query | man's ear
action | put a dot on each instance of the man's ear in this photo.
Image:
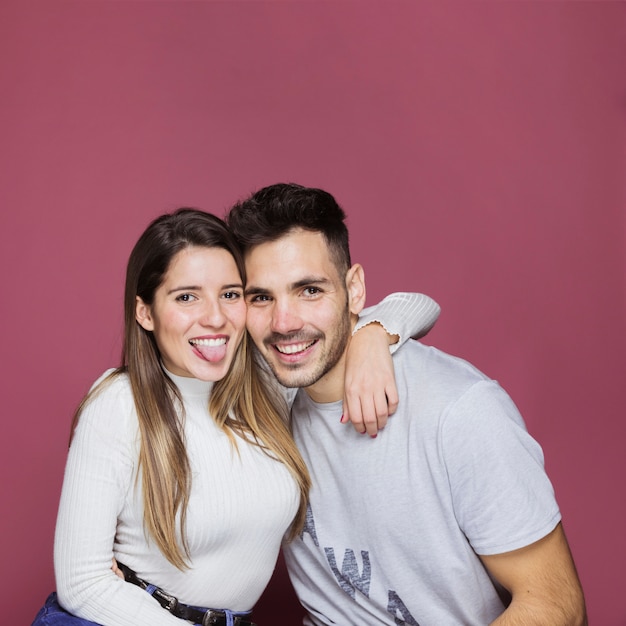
(142, 315)
(355, 284)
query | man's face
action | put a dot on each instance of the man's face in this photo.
(299, 311)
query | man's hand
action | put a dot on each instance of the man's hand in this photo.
(370, 393)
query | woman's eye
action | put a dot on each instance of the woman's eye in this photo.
(231, 295)
(185, 297)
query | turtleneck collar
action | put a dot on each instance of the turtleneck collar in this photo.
(191, 387)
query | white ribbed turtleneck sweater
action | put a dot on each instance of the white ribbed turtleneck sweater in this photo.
(234, 539)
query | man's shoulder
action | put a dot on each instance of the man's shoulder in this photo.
(432, 363)
(439, 384)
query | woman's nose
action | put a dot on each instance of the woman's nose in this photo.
(212, 315)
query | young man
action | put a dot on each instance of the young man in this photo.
(447, 517)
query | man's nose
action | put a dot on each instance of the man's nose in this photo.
(285, 318)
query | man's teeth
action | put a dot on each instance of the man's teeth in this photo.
(208, 342)
(294, 347)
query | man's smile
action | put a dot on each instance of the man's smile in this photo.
(294, 348)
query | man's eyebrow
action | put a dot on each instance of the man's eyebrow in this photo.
(253, 290)
(256, 291)
(310, 280)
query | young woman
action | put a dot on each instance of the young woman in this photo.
(181, 465)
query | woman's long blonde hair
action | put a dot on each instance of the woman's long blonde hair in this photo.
(242, 403)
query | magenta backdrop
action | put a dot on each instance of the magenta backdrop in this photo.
(478, 148)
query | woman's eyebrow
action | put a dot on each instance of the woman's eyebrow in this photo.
(184, 288)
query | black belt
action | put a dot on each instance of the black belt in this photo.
(206, 617)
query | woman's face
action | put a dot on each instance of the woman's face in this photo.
(198, 315)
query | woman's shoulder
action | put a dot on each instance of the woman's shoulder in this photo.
(107, 418)
(111, 382)
(111, 394)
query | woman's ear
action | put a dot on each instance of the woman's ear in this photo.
(142, 315)
(355, 284)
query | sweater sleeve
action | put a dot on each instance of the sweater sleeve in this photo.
(99, 476)
(404, 314)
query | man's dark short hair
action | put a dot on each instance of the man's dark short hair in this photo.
(274, 211)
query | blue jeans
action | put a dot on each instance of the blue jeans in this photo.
(52, 614)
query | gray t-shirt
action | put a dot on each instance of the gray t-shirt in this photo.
(395, 523)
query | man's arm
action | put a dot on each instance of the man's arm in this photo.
(543, 583)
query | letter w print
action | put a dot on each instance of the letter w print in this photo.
(349, 578)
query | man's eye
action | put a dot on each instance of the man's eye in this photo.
(312, 291)
(258, 299)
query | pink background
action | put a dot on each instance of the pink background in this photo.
(478, 148)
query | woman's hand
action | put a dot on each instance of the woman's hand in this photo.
(116, 570)
(370, 393)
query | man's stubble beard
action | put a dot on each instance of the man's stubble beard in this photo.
(333, 351)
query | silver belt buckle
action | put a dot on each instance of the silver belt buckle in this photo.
(212, 617)
(171, 600)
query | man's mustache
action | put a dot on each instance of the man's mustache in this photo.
(297, 337)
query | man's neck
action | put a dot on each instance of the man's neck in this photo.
(329, 388)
